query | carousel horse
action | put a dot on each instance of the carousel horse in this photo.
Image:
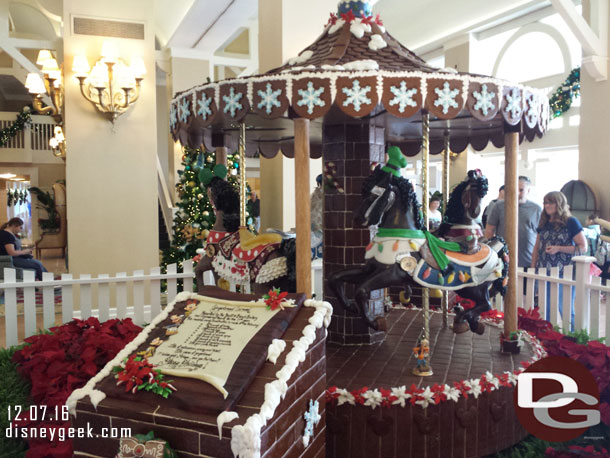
(403, 253)
(236, 256)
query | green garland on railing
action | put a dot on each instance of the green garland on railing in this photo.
(564, 95)
(9, 132)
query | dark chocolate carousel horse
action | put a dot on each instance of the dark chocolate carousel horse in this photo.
(403, 253)
(239, 257)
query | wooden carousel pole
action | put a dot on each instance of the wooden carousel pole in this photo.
(425, 203)
(445, 190)
(242, 174)
(302, 202)
(511, 212)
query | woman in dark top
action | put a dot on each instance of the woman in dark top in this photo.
(10, 245)
(560, 237)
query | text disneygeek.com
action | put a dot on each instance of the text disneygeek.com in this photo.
(62, 434)
(34, 413)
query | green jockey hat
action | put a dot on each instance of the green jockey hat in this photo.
(396, 161)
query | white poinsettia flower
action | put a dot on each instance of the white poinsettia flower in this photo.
(475, 387)
(345, 396)
(492, 379)
(512, 378)
(373, 398)
(452, 393)
(401, 395)
(428, 398)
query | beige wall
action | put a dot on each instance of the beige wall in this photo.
(111, 169)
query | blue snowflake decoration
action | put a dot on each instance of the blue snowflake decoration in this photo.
(311, 97)
(403, 97)
(356, 95)
(183, 110)
(269, 99)
(514, 103)
(484, 100)
(312, 418)
(173, 116)
(446, 97)
(203, 106)
(232, 102)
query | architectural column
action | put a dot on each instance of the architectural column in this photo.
(352, 148)
(111, 171)
(285, 29)
(594, 133)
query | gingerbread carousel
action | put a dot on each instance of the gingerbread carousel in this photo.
(400, 382)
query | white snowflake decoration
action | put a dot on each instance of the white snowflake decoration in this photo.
(173, 116)
(446, 97)
(311, 97)
(514, 103)
(232, 102)
(356, 95)
(183, 110)
(532, 111)
(269, 99)
(312, 418)
(203, 106)
(484, 100)
(403, 96)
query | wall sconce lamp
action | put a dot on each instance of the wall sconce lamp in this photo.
(53, 86)
(111, 85)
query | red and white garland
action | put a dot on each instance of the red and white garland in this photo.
(435, 394)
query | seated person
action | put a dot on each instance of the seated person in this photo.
(10, 245)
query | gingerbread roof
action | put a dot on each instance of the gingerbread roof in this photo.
(356, 69)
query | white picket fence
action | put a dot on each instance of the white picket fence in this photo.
(590, 310)
(137, 296)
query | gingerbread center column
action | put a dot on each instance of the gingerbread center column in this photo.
(348, 152)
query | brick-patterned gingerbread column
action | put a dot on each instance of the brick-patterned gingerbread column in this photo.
(352, 148)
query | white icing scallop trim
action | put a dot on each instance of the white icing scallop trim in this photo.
(330, 74)
(245, 439)
(365, 64)
(96, 396)
(225, 417)
(276, 347)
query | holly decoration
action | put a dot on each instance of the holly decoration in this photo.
(274, 299)
(23, 119)
(138, 374)
(564, 95)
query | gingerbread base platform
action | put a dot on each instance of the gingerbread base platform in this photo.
(378, 408)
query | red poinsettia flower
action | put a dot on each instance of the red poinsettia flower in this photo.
(333, 19)
(378, 20)
(274, 299)
(348, 17)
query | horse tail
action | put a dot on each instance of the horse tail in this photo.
(288, 248)
(499, 246)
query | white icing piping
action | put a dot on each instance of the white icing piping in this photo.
(245, 440)
(225, 417)
(97, 396)
(275, 349)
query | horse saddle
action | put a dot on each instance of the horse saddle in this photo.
(463, 269)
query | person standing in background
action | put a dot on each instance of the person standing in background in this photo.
(529, 216)
(435, 217)
(487, 210)
(560, 237)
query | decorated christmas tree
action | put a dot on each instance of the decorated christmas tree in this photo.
(195, 215)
